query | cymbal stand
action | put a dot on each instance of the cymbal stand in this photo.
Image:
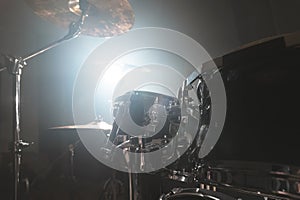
(15, 66)
(133, 185)
(134, 188)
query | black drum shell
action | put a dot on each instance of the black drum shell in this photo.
(138, 103)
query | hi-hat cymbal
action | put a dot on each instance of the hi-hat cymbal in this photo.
(96, 125)
(105, 17)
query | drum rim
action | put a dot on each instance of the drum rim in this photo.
(178, 192)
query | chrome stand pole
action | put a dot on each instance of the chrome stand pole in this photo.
(134, 187)
(130, 185)
(17, 142)
(134, 193)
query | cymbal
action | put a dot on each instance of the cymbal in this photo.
(105, 17)
(96, 125)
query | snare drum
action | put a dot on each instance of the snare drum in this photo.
(152, 117)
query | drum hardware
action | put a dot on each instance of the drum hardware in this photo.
(239, 193)
(136, 145)
(196, 113)
(134, 192)
(256, 179)
(208, 187)
(213, 191)
(133, 145)
(195, 193)
(15, 67)
(71, 149)
(188, 111)
(145, 112)
(181, 176)
(76, 25)
(122, 142)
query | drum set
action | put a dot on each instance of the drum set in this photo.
(212, 179)
(189, 111)
(176, 119)
(174, 126)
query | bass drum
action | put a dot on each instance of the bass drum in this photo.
(194, 194)
(203, 194)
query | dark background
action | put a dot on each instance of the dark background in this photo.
(220, 26)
